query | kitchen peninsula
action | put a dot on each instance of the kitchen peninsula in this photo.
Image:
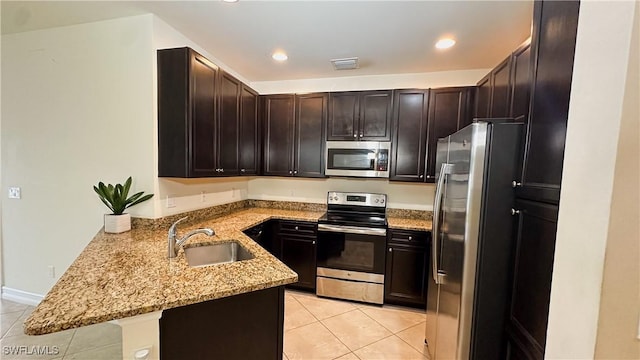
(128, 277)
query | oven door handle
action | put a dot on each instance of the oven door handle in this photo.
(352, 229)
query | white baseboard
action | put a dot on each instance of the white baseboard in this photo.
(22, 297)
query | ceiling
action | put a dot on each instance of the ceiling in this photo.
(389, 37)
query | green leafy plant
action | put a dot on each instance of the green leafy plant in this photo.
(115, 196)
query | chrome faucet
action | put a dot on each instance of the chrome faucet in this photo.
(176, 244)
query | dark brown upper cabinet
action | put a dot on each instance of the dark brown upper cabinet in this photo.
(553, 46)
(227, 129)
(449, 111)
(410, 124)
(494, 92)
(294, 134)
(520, 82)
(483, 97)
(187, 84)
(207, 119)
(249, 140)
(360, 115)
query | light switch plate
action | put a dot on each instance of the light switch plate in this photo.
(14, 193)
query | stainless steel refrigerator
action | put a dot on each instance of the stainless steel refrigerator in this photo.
(472, 240)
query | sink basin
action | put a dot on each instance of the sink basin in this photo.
(214, 254)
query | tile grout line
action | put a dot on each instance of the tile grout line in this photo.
(406, 342)
(353, 351)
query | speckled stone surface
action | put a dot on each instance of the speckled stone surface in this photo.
(410, 214)
(409, 224)
(122, 275)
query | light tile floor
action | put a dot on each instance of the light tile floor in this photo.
(315, 329)
(318, 328)
(95, 342)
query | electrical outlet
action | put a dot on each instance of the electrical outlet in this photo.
(171, 201)
(14, 193)
(203, 197)
(52, 271)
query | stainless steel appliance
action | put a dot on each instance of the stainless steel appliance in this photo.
(358, 158)
(472, 241)
(351, 247)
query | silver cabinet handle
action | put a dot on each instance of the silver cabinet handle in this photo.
(295, 172)
(390, 250)
(361, 134)
(297, 228)
(242, 170)
(313, 242)
(290, 172)
(410, 237)
(515, 184)
(222, 170)
(515, 212)
(355, 135)
(429, 176)
(421, 176)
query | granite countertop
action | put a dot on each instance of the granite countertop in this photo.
(123, 275)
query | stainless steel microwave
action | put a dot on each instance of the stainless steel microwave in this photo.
(358, 158)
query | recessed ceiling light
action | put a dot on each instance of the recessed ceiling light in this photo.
(230, 1)
(445, 43)
(279, 56)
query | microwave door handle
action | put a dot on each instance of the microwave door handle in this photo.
(437, 209)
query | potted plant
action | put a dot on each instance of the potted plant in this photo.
(117, 200)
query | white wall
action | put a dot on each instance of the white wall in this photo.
(401, 195)
(76, 110)
(373, 82)
(595, 112)
(620, 301)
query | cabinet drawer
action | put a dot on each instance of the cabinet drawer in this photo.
(417, 238)
(298, 228)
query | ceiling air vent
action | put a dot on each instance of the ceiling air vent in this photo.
(345, 64)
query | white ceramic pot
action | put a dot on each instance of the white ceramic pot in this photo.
(116, 224)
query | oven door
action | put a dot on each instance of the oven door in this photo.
(351, 248)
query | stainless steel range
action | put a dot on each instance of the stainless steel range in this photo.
(351, 247)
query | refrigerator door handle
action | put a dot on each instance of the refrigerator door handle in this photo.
(437, 206)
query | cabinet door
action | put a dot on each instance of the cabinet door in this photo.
(278, 135)
(410, 115)
(533, 267)
(501, 89)
(375, 116)
(300, 255)
(248, 143)
(448, 112)
(406, 271)
(343, 116)
(310, 123)
(203, 116)
(553, 45)
(483, 97)
(521, 83)
(228, 125)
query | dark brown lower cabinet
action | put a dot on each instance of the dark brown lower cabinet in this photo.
(298, 251)
(245, 326)
(407, 268)
(533, 267)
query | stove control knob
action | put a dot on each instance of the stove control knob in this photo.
(377, 201)
(381, 201)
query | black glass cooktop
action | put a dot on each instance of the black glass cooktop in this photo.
(353, 219)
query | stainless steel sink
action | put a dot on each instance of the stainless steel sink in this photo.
(214, 254)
